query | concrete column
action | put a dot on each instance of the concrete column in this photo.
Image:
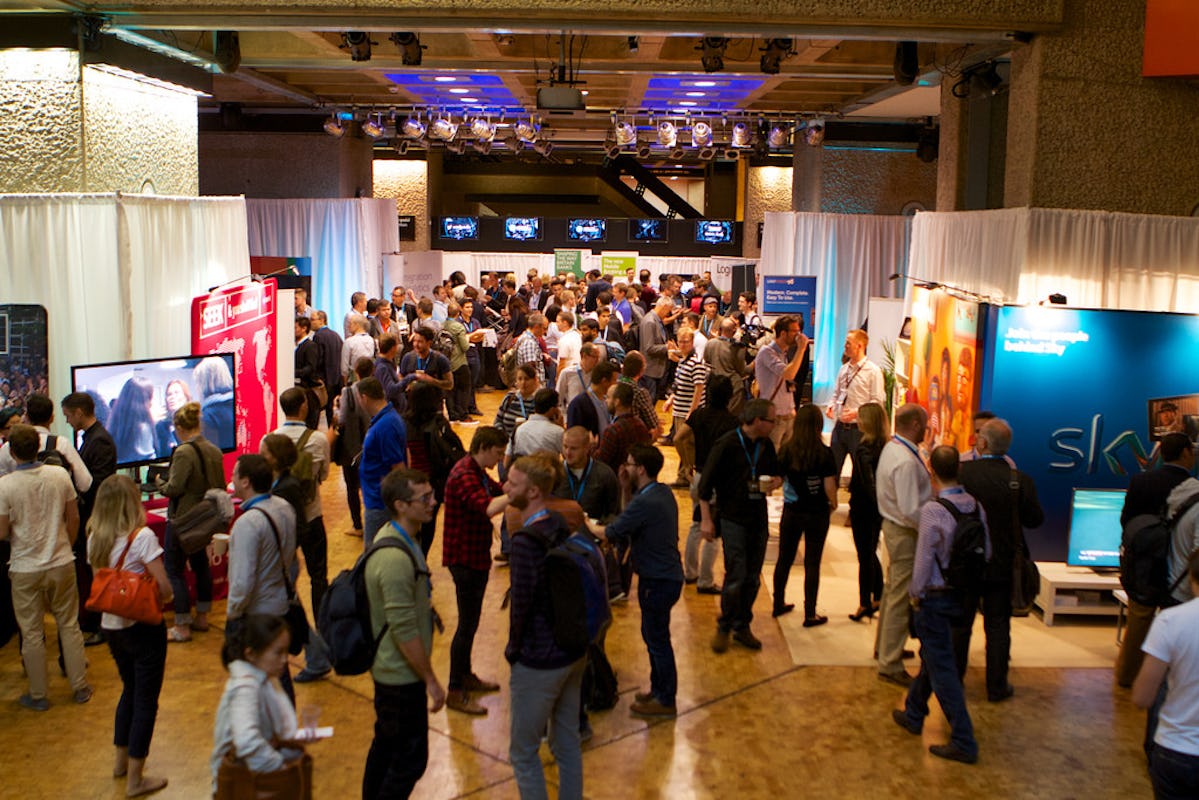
(807, 164)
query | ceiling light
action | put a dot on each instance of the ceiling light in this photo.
(643, 150)
(445, 79)
(713, 48)
(482, 146)
(779, 136)
(411, 50)
(457, 148)
(677, 153)
(612, 149)
(688, 103)
(668, 135)
(707, 153)
(373, 126)
(359, 45)
(813, 134)
(413, 128)
(482, 129)
(458, 89)
(443, 128)
(730, 154)
(334, 128)
(705, 84)
(773, 54)
(544, 147)
(741, 135)
(527, 130)
(701, 134)
(696, 94)
(470, 99)
(626, 134)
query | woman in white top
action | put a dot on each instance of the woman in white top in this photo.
(255, 721)
(118, 526)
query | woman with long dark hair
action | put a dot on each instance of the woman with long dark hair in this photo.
(809, 496)
(117, 534)
(132, 426)
(431, 441)
(863, 508)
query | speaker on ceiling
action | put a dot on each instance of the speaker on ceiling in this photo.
(907, 63)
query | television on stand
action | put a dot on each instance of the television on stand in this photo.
(1095, 529)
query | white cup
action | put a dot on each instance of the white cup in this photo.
(764, 482)
(220, 544)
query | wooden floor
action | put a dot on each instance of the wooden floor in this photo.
(753, 725)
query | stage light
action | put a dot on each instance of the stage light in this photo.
(730, 154)
(643, 150)
(773, 54)
(482, 146)
(402, 147)
(359, 45)
(543, 147)
(443, 128)
(713, 48)
(411, 50)
(678, 153)
(634, 44)
(668, 135)
(611, 149)
(741, 135)
(457, 148)
(779, 136)
(527, 130)
(813, 134)
(482, 129)
(226, 51)
(701, 134)
(626, 134)
(707, 153)
(334, 128)
(373, 126)
(413, 128)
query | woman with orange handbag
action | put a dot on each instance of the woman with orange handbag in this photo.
(117, 537)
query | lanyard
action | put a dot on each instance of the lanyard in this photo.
(543, 513)
(911, 448)
(421, 362)
(403, 535)
(570, 476)
(253, 501)
(412, 550)
(523, 412)
(753, 462)
(601, 406)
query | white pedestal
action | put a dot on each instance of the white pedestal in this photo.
(1061, 586)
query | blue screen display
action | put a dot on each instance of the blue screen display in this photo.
(587, 230)
(648, 230)
(1095, 528)
(714, 231)
(523, 229)
(459, 227)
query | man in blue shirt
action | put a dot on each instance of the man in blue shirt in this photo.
(650, 523)
(384, 448)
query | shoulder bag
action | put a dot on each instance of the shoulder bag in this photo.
(130, 595)
(236, 781)
(297, 619)
(1026, 578)
(195, 528)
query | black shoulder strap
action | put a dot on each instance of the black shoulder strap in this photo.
(51, 442)
(204, 467)
(291, 590)
(393, 541)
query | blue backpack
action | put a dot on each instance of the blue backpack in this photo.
(575, 591)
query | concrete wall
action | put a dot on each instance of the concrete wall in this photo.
(41, 115)
(769, 189)
(408, 183)
(875, 182)
(284, 165)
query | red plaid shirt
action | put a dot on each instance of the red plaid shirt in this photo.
(467, 530)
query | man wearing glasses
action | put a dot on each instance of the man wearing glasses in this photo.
(741, 469)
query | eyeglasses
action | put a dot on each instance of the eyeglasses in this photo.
(427, 497)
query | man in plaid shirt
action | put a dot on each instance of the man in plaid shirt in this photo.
(528, 346)
(472, 498)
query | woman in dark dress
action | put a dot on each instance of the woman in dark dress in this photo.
(809, 496)
(433, 447)
(863, 508)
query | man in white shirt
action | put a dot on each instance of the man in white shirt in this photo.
(903, 487)
(39, 412)
(860, 381)
(357, 307)
(542, 430)
(359, 344)
(569, 341)
(773, 372)
(440, 304)
(574, 381)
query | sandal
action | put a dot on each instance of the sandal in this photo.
(174, 636)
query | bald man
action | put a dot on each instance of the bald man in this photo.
(725, 357)
(590, 483)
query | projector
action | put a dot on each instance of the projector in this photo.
(560, 98)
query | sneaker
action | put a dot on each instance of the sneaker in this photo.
(307, 675)
(785, 608)
(501, 558)
(643, 697)
(903, 679)
(461, 701)
(901, 719)
(720, 642)
(474, 683)
(40, 704)
(746, 638)
(652, 708)
(681, 483)
(83, 695)
(708, 590)
(952, 753)
(92, 639)
(999, 697)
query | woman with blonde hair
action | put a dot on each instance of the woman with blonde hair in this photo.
(863, 507)
(117, 534)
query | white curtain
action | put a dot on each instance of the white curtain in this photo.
(114, 271)
(345, 239)
(852, 257)
(1098, 259)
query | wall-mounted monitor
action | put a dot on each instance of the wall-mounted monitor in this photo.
(137, 401)
(1095, 529)
(523, 229)
(714, 231)
(459, 228)
(587, 229)
(649, 230)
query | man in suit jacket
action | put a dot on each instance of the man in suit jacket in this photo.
(654, 345)
(1147, 493)
(99, 454)
(309, 371)
(535, 294)
(595, 285)
(330, 349)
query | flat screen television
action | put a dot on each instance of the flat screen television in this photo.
(459, 228)
(136, 401)
(649, 230)
(523, 229)
(714, 231)
(1095, 528)
(587, 229)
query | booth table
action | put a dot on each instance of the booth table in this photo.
(1076, 590)
(156, 520)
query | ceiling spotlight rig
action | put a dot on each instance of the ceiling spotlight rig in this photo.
(358, 43)
(813, 134)
(373, 126)
(773, 54)
(334, 127)
(713, 48)
(411, 50)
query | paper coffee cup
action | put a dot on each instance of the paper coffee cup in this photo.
(220, 544)
(764, 482)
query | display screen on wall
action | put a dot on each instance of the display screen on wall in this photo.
(942, 370)
(714, 231)
(587, 229)
(523, 229)
(24, 366)
(459, 228)
(648, 230)
(407, 227)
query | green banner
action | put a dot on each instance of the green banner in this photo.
(617, 263)
(569, 261)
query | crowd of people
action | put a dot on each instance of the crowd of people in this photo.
(574, 449)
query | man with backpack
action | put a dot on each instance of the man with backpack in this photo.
(399, 594)
(51, 450)
(424, 363)
(1010, 500)
(947, 570)
(650, 524)
(546, 679)
(1146, 496)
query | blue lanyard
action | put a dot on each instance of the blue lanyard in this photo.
(403, 535)
(753, 462)
(953, 490)
(911, 448)
(570, 476)
(523, 412)
(543, 513)
(420, 363)
(253, 501)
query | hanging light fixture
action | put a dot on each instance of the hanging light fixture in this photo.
(413, 128)
(373, 126)
(527, 130)
(779, 136)
(544, 147)
(333, 126)
(813, 134)
(482, 129)
(626, 134)
(741, 135)
(668, 135)
(443, 128)
(701, 134)
(643, 150)
(713, 48)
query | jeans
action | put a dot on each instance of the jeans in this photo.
(459, 398)
(470, 585)
(844, 440)
(400, 750)
(353, 494)
(866, 524)
(475, 363)
(315, 546)
(35, 594)
(996, 597)
(375, 519)
(893, 626)
(650, 385)
(1175, 775)
(792, 527)
(140, 653)
(89, 621)
(699, 555)
(176, 561)
(657, 597)
(744, 552)
(938, 614)
(542, 697)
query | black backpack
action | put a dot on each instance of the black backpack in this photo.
(968, 553)
(344, 620)
(50, 456)
(600, 690)
(1145, 556)
(575, 592)
(445, 450)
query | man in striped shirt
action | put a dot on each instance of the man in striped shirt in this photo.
(689, 378)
